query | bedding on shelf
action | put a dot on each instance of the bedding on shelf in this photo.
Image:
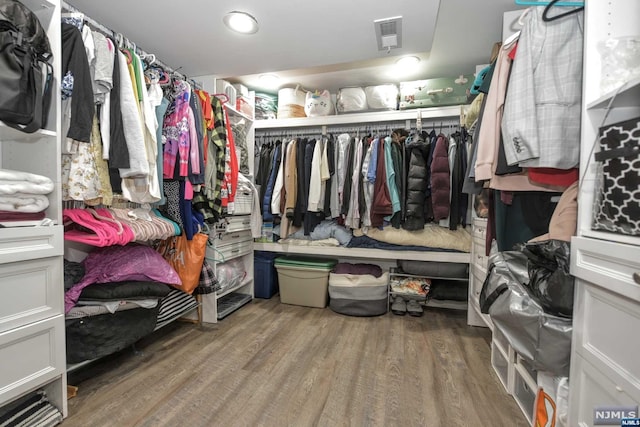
(93, 337)
(366, 242)
(175, 304)
(308, 242)
(431, 236)
(110, 316)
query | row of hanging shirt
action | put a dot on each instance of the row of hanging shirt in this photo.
(135, 132)
(399, 178)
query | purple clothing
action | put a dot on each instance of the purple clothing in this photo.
(120, 263)
(176, 132)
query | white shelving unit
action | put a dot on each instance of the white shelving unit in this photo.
(32, 337)
(604, 363)
(379, 254)
(386, 258)
(359, 118)
(231, 242)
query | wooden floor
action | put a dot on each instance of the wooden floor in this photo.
(271, 364)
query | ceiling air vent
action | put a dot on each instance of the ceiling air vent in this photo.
(389, 33)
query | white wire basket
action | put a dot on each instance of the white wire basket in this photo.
(243, 203)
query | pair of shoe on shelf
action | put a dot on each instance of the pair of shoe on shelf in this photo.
(401, 307)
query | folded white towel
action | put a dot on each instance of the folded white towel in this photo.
(20, 202)
(12, 182)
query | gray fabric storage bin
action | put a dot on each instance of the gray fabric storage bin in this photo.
(434, 269)
(358, 295)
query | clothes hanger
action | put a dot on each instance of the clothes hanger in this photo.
(546, 18)
(127, 53)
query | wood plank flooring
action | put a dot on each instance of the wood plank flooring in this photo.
(272, 364)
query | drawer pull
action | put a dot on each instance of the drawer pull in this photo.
(636, 278)
(235, 251)
(618, 388)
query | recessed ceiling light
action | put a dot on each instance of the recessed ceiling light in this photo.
(241, 22)
(269, 80)
(407, 61)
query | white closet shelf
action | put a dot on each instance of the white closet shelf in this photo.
(342, 252)
(367, 117)
(448, 304)
(245, 282)
(627, 97)
(233, 111)
(37, 5)
(10, 134)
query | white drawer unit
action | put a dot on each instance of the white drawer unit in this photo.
(31, 356)
(229, 249)
(598, 390)
(237, 223)
(477, 274)
(605, 313)
(32, 334)
(31, 291)
(503, 366)
(524, 392)
(24, 243)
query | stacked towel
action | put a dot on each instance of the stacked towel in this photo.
(24, 192)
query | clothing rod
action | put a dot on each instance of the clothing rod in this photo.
(364, 129)
(109, 32)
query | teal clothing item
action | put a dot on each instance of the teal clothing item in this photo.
(394, 194)
(160, 110)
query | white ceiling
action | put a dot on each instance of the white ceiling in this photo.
(320, 45)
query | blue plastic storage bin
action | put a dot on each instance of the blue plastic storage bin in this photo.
(265, 284)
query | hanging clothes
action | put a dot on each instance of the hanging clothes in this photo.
(267, 215)
(176, 133)
(381, 206)
(118, 152)
(230, 182)
(352, 218)
(489, 133)
(390, 173)
(440, 189)
(417, 153)
(278, 187)
(215, 167)
(541, 122)
(77, 79)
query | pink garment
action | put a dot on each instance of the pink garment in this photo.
(80, 226)
(95, 228)
(176, 133)
(194, 148)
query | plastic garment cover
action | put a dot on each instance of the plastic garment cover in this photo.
(550, 282)
(544, 340)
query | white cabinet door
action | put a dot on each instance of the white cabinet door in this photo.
(31, 291)
(31, 356)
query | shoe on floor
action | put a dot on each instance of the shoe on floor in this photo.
(414, 308)
(399, 307)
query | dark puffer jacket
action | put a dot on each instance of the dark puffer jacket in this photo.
(417, 153)
(440, 177)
